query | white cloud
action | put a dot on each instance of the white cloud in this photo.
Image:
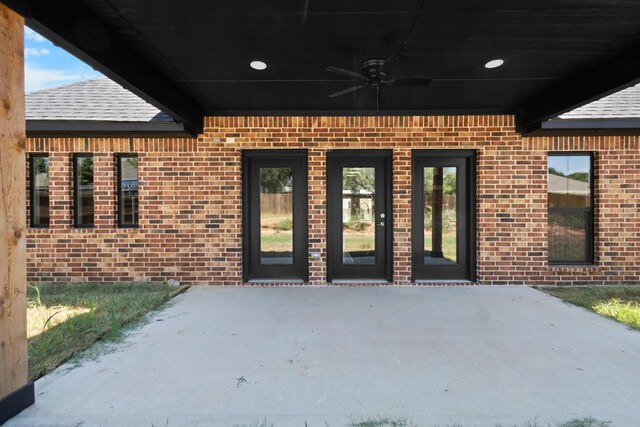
(32, 51)
(42, 78)
(32, 35)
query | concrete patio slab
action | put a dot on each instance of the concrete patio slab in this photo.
(478, 356)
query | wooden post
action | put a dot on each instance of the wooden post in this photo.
(13, 273)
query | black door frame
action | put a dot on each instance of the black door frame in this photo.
(252, 160)
(359, 158)
(467, 203)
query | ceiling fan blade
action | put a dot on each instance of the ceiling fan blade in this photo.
(346, 73)
(412, 81)
(346, 91)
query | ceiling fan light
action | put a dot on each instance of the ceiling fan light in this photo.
(494, 63)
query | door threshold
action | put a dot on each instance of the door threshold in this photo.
(276, 281)
(360, 282)
(444, 282)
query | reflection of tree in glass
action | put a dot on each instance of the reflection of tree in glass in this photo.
(276, 180)
(447, 215)
(448, 181)
(579, 176)
(576, 176)
(85, 170)
(41, 166)
(356, 179)
(554, 171)
(133, 161)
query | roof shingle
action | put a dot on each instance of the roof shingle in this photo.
(620, 105)
(94, 100)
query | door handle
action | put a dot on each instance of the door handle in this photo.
(381, 223)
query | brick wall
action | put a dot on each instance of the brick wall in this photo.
(190, 199)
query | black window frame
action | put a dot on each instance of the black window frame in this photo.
(74, 161)
(32, 191)
(590, 237)
(119, 213)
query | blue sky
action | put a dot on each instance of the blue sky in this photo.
(46, 65)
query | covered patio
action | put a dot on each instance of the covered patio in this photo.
(471, 356)
(303, 88)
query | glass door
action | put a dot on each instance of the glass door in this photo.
(275, 215)
(443, 215)
(359, 215)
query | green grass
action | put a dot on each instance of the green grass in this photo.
(448, 245)
(621, 303)
(359, 242)
(65, 319)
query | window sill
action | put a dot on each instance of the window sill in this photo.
(572, 266)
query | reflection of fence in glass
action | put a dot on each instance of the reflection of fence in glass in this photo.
(440, 215)
(568, 236)
(358, 215)
(276, 216)
(276, 205)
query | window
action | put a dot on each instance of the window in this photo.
(39, 184)
(127, 190)
(83, 190)
(570, 201)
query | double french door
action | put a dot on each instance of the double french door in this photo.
(359, 215)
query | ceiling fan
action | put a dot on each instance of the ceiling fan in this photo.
(375, 75)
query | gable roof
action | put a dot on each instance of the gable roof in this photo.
(613, 114)
(94, 106)
(101, 106)
(99, 99)
(620, 105)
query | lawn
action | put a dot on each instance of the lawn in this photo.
(448, 245)
(281, 241)
(621, 303)
(65, 319)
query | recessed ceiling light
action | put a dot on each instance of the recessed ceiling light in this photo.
(494, 63)
(258, 65)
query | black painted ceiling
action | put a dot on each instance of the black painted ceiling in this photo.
(199, 50)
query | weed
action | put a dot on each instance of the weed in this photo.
(627, 312)
(357, 225)
(65, 319)
(284, 225)
(260, 423)
(382, 422)
(585, 422)
(621, 303)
